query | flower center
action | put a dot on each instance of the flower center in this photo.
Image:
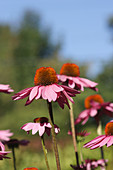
(41, 120)
(109, 128)
(45, 76)
(96, 98)
(70, 69)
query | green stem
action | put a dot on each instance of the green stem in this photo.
(73, 133)
(81, 154)
(14, 158)
(45, 152)
(49, 104)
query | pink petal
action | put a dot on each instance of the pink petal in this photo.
(62, 77)
(110, 142)
(51, 95)
(47, 125)
(44, 90)
(22, 94)
(68, 96)
(96, 140)
(95, 146)
(57, 88)
(84, 114)
(109, 108)
(2, 147)
(88, 166)
(28, 126)
(71, 84)
(104, 141)
(78, 83)
(70, 90)
(93, 112)
(85, 120)
(33, 93)
(41, 130)
(87, 83)
(39, 92)
(57, 129)
(78, 120)
(36, 128)
(111, 104)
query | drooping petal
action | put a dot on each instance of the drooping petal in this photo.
(57, 129)
(48, 125)
(96, 140)
(109, 107)
(41, 130)
(50, 93)
(70, 90)
(84, 113)
(78, 83)
(110, 142)
(40, 88)
(44, 90)
(93, 112)
(33, 93)
(62, 77)
(87, 83)
(48, 131)
(85, 120)
(95, 146)
(68, 97)
(22, 94)
(71, 84)
(28, 126)
(2, 147)
(57, 88)
(36, 128)
(104, 141)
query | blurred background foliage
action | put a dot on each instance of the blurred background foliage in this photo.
(25, 48)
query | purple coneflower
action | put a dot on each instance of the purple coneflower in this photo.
(95, 107)
(70, 73)
(40, 125)
(47, 88)
(102, 140)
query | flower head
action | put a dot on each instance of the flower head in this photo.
(3, 153)
(46, 87)
(40, 125)
(102, 139)
(95, 107)
(5, 88)
(5, 135)
(70, 73)
(45, 76)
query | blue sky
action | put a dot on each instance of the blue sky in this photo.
(80, 25)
